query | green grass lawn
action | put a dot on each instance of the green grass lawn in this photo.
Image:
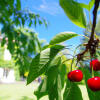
(19, 91)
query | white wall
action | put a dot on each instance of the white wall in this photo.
(10, 77)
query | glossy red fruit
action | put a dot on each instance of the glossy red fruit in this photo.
(94, 83)
(75, 76)
(96, 64)
(70, 76)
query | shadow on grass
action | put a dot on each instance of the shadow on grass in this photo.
(26, 98)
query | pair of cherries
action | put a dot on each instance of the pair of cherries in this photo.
(93, 83)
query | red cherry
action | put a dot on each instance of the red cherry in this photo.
(69, 76)
(96, 64)
(75, 76)
(94, 83)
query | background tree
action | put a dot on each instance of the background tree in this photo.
(21, 42)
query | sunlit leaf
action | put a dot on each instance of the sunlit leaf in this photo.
(89, 6)
(61, 37)
(74, 12)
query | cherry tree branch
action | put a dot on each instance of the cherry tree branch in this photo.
(92, 44)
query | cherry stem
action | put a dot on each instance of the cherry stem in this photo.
(91, 66)
(72, 63)
(76, 63)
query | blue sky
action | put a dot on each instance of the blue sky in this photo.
(59, 22)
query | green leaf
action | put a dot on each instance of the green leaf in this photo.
(3, 42)
(55, 61)
(52, 75)
(63, 73)
(58, 46)
(61, 69)
(54, 50)
(59, 87)
(56, 80)
(74, 12)
(72, 91)
(84, 6)
(54, 83)
(48, 85)
(38, 65)
(91, 3)
(89, 6)
(18, 5)
(41, 62)
(61, 37)
(42, 89)
(55, 90)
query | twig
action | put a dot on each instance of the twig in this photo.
(92, 44)
(94, 19)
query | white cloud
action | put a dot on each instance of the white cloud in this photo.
(51, 8)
